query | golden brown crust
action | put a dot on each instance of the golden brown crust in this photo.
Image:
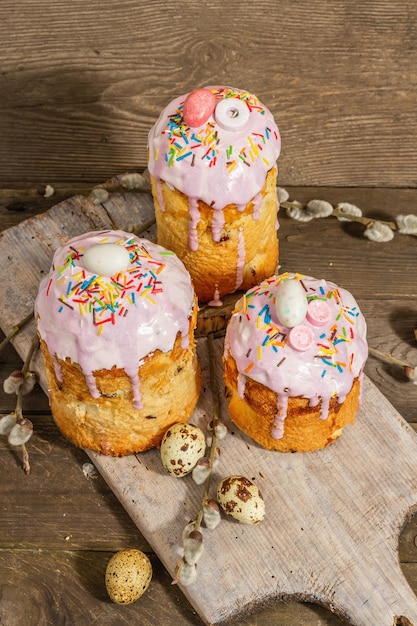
(304, 430)
(170, 385)
(214, 264)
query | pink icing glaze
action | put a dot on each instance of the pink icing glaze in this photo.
(259, 344)
(102, 322)
(209, 163)
(241, 254)
(216, 302)
(257, 201)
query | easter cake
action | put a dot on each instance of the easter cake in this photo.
(294, 354)
(116, 317)
(212, 161)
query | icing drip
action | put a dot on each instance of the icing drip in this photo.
(194, 221)
(216, 300)
(277, 431)
(217, 224)
(91, 383)
(257, 201)
(324, 407)
(278, 208)
(241, 253)
(57, 369)
(160, 195)
(135, 384)
(185, 341)
(241, 384)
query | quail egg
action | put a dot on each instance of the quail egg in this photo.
(128, 575)
(182, 446)
(241, 499)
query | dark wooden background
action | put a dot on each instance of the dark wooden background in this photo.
(81, 83)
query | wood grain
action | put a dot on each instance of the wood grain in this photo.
(82, 83)
(39, 234)
(331, 530)
(80, 86)
(73, 581)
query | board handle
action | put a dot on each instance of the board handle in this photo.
(379, 595)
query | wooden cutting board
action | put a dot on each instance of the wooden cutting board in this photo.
(334, 516)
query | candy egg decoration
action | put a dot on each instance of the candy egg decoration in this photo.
(106, 259)
(301, 337)
(318, 312)
(232, 114)
(198, 107)
(291, 303)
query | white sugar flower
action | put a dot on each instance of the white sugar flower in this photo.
(349, 209)
(407, 224)
(379, 232)
(319, 208)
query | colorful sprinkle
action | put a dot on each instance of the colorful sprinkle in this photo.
(101, 297)
(183, 139)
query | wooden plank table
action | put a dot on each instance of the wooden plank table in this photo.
(43, 530)
(80, 86)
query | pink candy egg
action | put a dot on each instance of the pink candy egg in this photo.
(198, 106)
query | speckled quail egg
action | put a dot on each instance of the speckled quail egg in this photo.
(128, 575)
(241, 499)
(182, 446)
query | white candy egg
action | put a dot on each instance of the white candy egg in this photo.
(291, 303)
(241, 499)
(182, 446)
(106, 259)
(128, 575)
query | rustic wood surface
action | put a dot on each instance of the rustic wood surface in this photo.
(82, 82)
(80, 85)
(66, 534)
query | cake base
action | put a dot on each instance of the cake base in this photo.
(304, 430)
(247, 248)
(170, 384)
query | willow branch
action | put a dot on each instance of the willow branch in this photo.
(15, 330)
